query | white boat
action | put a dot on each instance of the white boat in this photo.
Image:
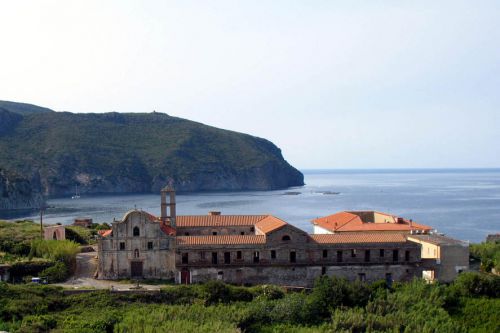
(76, 196)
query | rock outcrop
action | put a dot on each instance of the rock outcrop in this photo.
(18, 193)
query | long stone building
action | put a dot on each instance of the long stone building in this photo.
(257, 249)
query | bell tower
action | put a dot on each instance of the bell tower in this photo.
(168, 214)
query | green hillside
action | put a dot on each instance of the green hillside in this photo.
(115, 153)
(22, 108)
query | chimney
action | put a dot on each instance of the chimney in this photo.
(214, 213)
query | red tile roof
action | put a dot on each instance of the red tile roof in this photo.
(348, 222)
(218, 220)
(270, 223)
(335, 221)
(221, 240)
(168, 230)
(105, 233)
(345, 238)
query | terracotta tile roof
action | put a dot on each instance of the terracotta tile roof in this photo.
(168, 230)
(348, 222)
(345, 238)
(217, 220)
(270, 223)
(337, 220)
(221, 240)
(105, 233)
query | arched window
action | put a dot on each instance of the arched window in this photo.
(136, 253)
(136, 231)
(285, 238)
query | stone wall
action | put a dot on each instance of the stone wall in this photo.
(301, 276)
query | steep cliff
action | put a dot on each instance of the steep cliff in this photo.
(18, 193)
(119, 153)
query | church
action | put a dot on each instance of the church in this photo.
(263, 249)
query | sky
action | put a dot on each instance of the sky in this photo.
(334, 84)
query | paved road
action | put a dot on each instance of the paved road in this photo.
(86, 267)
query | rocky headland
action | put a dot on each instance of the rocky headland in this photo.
(54, 152)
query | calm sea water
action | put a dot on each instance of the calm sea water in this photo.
(464, 204)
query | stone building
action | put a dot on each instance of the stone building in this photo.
(247, 249)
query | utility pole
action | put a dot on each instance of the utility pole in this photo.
(41, 223)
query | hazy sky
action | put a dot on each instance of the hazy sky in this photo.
(335, 84)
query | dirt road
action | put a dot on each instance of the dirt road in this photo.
(86, 267)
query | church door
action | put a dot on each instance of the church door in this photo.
(136, 269)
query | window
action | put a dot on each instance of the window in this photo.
(273, 254)
(242, 232)
(381, 253)
(395, 255)
(227, 257)
(186, 234)
(136, 253)
(293, 256)
(136, 231)
(122, 245)
(407, 255)
(362, 277)
(256, 256)
(238, 255)
(367, 255)
(325, 253)
(323, 270)
(214, 233)
(185, 258)
(202, 255)
(285, 238)
(150, 245)
(252, 229)
(339, 256)
(353, 253)
(215, 260)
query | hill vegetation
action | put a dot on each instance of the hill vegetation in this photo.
(334, 305)
(117, 153)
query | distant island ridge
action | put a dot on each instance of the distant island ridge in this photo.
(44, 153)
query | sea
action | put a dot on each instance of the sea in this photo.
(461, 203)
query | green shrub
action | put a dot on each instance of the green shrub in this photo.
(267, 292)
(214, 292)
(79, 234)
(57, 250)
(57, 273)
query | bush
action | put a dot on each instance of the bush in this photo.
(57, 250)
(79, 234)
(214, 292)
(57, 273)
(471, 284)
(268, 292)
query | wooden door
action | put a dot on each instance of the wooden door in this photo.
(136, 269)
(185, 276)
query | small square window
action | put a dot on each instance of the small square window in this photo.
(150, 245)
